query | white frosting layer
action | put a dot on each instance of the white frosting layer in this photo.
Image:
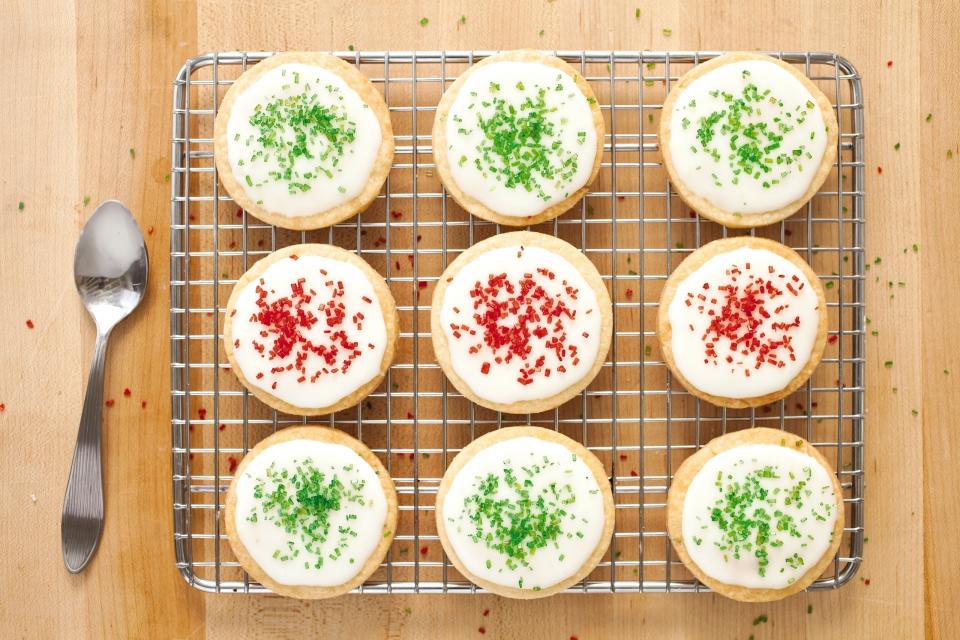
(355, 527)
(316, 358)
(322, 177)
(746, 301)
(559, 316)
(729, 105)
(784, 492)
(472, 152)
(541, 470)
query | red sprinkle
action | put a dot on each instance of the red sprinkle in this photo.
(693, 214)
(29, 324)
(629, 294)
(109, 403)
(396, 214)
(880, 170)
(486, 612)
(633, 472)
(3, 407)
(222, 427)
(239, 212)
(623, 456)
(482, 630)
(832, 338)
(143, 404)
(866, 582)
(202, 413)
(409, 415)
(889, 63)
(232, 464)
(126, 392)
(424, 549)
(423, 284)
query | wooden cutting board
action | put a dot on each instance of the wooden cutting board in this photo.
(87, 98)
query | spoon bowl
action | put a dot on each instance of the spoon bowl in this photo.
(110, 272)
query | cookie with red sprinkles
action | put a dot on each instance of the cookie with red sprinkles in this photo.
(742, 322)
(310, 329)
(521, 322)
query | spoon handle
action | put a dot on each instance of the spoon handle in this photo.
(82, 519)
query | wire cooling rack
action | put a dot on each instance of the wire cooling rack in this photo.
(638, 421)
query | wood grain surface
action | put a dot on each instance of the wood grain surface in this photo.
(87, 90)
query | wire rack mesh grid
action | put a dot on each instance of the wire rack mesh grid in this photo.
(638, 421)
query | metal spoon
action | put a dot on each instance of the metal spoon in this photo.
(110, 271)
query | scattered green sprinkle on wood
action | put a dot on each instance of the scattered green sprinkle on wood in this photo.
(916, 248)
(810, 606)
(915, 413)
(876, 260)
(888, 364)
(541, 33)
(759, 620)
(949, 154)
(866, 540)
(668, 32)
(86, 200)
(463, 19)
(424, 22)
(636, 14)
(408, 610)
(829, 285)
(647, 350)
(896, 147)
(133, 153)
(929, 117)
(350, 47)
(20, 206)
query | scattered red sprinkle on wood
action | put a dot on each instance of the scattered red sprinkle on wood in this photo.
(3, 407)
(424, 549)
(232, 462)
(29, 324)
(409, 415)
(889, 63)
(222, 427)
(866, 582)
(623, 456)
(396, 215)
(787, 232)
(621, 198)
(191, 456)
(202, 413)
(423, 284)
(190, 426)
(633, 473)
(832, 338)
(126, 392)
(486, 612)
(574, 638)
(879, 170)
(629, 294)
(239, 212)
(482, 630)
(233, 244)
(259, 243)
(143, 404)
(109, 403)
(410, 455)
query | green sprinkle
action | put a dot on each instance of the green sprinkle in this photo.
(829, 285)
(946, 372)
(86, 200)
(133, 152)
(949, 154)
(896, 147)
(541, 33)
(349, 47)
(636, 13)
(929, 117)
(424, 22)
(647, 350)
(810, 606)
(668, 32)
(759, 620)
(463, 19)
(916, 248)
(876, 260)
(407, 610)
(914, 412)
(249, 181)
(20, 206)
(888, 364)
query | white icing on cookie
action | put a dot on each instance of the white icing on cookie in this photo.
(747, 136)
(759, 516)
(309, 331)
(520, 137)
(521, 323)
(332, 162)
(504, 482)
(743, 324)
(318, 525)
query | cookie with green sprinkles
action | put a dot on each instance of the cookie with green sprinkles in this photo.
(525, 512)
(756, 515)
(518, 138)
(747, 139)
(311, 512)
(303, 140)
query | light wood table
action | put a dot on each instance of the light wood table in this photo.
(87, 95)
